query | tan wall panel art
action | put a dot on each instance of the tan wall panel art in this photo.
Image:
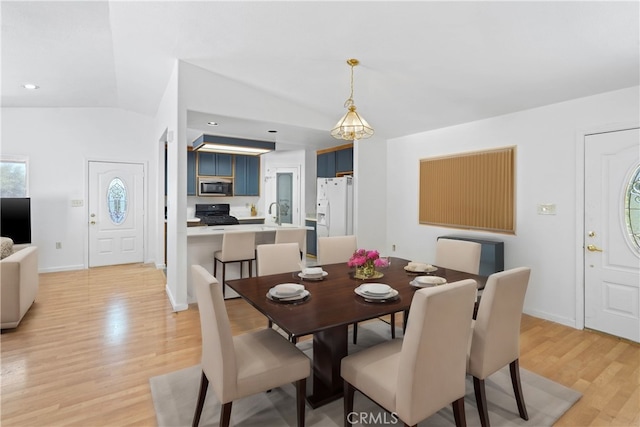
(469, 191)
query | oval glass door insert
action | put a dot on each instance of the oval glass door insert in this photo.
(117, 201)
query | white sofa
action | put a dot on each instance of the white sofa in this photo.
(19, 284)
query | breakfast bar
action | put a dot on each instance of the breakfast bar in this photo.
(202, 242)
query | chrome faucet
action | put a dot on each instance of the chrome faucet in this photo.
(278, 219)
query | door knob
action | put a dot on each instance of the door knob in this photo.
(92, 222)
(593, 248)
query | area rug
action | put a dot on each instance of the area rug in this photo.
(175, 394)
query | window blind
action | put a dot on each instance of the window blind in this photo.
(470, 191)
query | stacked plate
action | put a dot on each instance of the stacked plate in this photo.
(288, 292)
(427, 281)
(377, 292)
(315, 273)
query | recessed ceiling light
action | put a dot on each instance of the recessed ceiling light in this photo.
(30, 86)
(212, 124)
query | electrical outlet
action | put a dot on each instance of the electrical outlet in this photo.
(77, 203)
(393, 248)
(547, 209)
(58, 245)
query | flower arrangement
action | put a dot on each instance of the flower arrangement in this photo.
(366, 262)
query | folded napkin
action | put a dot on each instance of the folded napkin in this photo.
(418, 266)
(288, 289)
(312, 271)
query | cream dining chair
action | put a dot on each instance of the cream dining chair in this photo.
(292, 235)
(237, 246)
(242, 365)
(337, 249)
(276, 258)
(495, 338)
(458, 255)
(416, 376)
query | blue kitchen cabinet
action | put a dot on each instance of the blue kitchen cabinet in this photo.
(247, 176)
(215, 164)
(191, 173)
(344, 160)
(326, 165)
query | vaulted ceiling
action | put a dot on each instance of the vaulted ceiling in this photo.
(424, 64)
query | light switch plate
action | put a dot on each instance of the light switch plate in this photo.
(547, 209)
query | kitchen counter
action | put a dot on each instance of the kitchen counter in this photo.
(204, 241)
(219, 230)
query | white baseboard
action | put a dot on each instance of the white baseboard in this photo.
(176, 307)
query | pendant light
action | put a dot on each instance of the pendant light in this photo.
(352, 125)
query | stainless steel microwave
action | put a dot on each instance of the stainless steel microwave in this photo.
(215, 187)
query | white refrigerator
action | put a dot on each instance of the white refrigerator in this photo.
(334, 208)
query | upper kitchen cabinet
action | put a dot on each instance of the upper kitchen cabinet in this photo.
(215, 164)
(247, 176)
(326, 166)
(191, 173)
(336, 161)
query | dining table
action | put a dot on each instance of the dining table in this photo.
(330, 307)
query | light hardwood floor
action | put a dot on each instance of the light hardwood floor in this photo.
(84, 353)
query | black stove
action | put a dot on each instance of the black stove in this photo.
(216, 214)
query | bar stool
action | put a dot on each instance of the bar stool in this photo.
(293, 235)
(237, 246)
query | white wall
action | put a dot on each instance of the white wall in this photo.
(370, 169)
(547, 141)
(59, 142)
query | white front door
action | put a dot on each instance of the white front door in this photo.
(116, 213)
(612, 255)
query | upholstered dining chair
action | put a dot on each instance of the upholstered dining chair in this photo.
(495, 337)
(292, 235)
(458, 255)
(237, 246)
(277, 258)
(416, 376)
(242, 365)
(336, 249)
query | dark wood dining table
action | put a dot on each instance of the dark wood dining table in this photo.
(331, 307)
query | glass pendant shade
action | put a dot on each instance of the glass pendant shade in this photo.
(352, 126)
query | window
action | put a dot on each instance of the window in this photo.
(632, 209)
(14, 172)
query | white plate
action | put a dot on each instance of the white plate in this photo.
(312, 276)
(375, 289)
(285, 290)
(427, 281)
(301, 295)
(392, 293)
(428, 269)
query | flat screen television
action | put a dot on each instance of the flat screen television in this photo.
(15, 219)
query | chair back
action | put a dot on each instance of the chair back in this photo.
(277, 258)
(495, 340)
(218, 353)
(292, 235)
(432, 365)
(458, 255)
(336, 249)
(238, 245)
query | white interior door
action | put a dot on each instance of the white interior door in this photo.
(116, 213)
(611, 239)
